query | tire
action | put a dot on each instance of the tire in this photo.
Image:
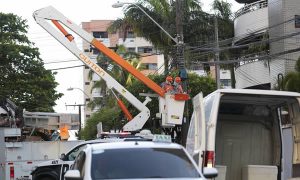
(47, 178)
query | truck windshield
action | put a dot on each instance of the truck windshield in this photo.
(142, 163)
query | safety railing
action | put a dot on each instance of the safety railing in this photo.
(251, 7)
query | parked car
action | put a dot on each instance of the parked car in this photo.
(134, 160)
(55, 169)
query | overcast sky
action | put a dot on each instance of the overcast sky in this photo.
(52, 51)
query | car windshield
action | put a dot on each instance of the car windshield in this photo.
(142, 163)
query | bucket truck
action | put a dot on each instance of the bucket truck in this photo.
(20, 150)
(171, 105)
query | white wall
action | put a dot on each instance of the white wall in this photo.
(251, 74)
(250, 22)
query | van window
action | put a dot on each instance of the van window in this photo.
(208, 103)
(284, 115)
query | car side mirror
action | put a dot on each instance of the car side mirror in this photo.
(63, 156)
(210, 172)
(72, 175)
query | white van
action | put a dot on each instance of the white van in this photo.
(247, 134)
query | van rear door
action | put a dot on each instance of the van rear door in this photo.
(296, 135)
(196, 139)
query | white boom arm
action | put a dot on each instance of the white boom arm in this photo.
(43, 16)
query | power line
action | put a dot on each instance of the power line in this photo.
(247, 35)
(249, 44)
(253, 58)
(66, 67)
(55, 62)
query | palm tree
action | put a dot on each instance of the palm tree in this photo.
(198, 25)
(164, 12)
(291, 81)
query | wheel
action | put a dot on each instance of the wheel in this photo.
(47, 178)
(45, 174)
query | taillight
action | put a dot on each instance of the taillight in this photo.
(209, 159)
(11, 172)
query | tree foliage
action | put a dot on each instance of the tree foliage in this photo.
(197, 26)
(110, 118)
(291, 81)
(24, 79)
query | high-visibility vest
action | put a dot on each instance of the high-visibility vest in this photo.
(64, 133)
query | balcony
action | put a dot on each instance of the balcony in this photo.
(251, 7)
(252, 73)
(251, 19)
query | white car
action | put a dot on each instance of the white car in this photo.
(134, 160)
(55, 169)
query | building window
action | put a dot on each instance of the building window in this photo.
(87, 83)
(151, 66)
(87, 99)
(131, 49)
(100, 34)
(225, 82)
(130, 34)
(144, 49)
(297, 21)
(88, 116)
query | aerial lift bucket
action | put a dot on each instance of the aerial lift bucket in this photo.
(171, 109)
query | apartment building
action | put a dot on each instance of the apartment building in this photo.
(150, 58)
(261, 20)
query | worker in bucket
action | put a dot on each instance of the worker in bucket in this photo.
(168, 85)
(178, 85)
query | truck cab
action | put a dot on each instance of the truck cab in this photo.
(247, 134)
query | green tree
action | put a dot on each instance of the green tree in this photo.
(291, 81)
(197, 26)
(24, 78)
(163, 11)
(110, 118)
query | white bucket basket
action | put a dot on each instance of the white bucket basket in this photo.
(171, 110)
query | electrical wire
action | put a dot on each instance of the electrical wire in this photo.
(66, 68)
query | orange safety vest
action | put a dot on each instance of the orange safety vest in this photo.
(64, 133)
(167, 87)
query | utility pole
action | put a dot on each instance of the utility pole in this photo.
(179, 62)
(79, 111)
(217, 54)
(180, 65)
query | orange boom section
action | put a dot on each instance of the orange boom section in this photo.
(115, 57)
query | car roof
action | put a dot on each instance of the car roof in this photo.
(135, 144)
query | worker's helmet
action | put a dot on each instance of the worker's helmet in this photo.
(169, 78)
(177, 79)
